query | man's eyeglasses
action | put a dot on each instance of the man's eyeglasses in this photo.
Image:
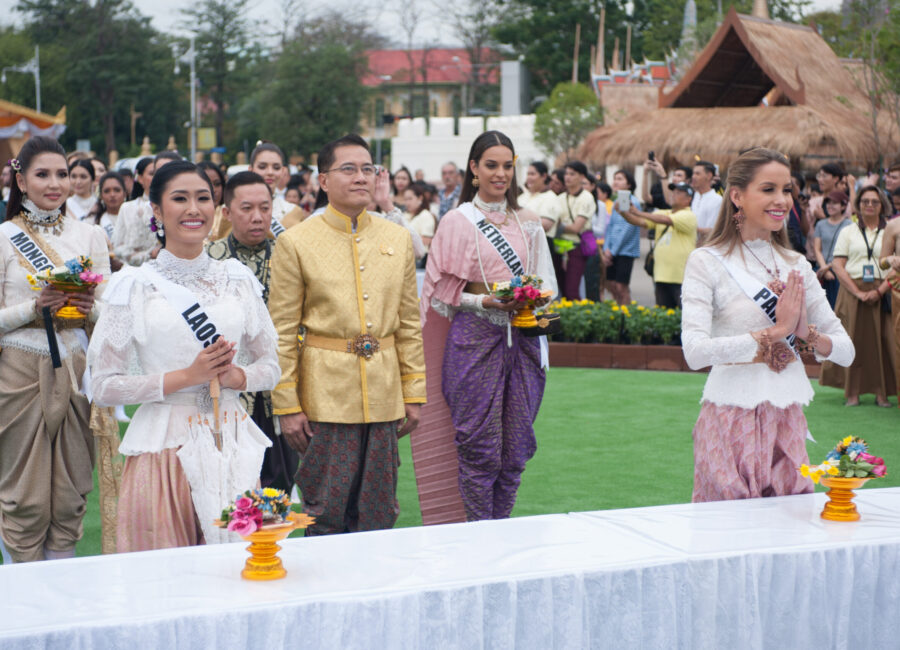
(349, 169)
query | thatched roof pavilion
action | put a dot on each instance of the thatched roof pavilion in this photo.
(757, 82)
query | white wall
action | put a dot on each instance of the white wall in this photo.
(416, 150)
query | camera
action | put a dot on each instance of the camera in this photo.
(651, 156)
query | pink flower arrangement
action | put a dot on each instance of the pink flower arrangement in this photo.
(90, 277)
(528, 292)
(246, 518)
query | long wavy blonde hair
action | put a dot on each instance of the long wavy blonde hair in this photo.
(740, 174)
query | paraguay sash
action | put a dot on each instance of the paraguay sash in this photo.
(496, 239)
(26, 246)
(186, 304)
(277, 228)
(761, 295)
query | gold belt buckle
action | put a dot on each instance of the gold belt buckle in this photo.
(364, 345)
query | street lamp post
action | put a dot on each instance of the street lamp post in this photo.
(191, 58)
(31, 67)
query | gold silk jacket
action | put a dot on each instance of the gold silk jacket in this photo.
(339, 284)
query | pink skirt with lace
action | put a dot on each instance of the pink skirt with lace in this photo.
(746, 453)
(155, 506)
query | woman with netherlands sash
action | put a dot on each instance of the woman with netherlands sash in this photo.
(750, 307)
(46, 446)
(488, 374)
(172, 332)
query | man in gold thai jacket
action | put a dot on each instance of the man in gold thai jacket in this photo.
(358, 380)
(248, 211)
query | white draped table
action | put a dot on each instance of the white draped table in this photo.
(761, 573)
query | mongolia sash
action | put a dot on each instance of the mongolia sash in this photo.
(761, 295)
(186, 304)
(495, 238)
(27, 247)
(277, 228)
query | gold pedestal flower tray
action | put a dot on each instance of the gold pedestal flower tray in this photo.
(840, 506)
(264, 563)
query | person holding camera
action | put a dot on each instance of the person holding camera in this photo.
(676, 237)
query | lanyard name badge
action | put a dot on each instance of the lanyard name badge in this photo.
(868, 271)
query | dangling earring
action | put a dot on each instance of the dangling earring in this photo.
(475, 181)
(738, 219)
(156, 226)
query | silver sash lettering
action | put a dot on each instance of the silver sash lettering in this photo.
(496, 239)
(38, 259)
(186, 304)
(277, 228)
(761, 295)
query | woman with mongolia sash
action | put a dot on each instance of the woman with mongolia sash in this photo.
(172, 330)
(485, 378)
(46, 446)
(751, 305)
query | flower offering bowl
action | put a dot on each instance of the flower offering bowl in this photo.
(840, 506)
(525, 317)
(70, 311)
(264, 563)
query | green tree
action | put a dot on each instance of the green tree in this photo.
(97, 59)
(222, 41)
(563, 121)
(313, 94)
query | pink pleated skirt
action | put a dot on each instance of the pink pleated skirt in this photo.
(155, 506)
(747, 453)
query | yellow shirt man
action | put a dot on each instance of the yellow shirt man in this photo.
(357, 381)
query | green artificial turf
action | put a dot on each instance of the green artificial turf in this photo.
(621, 439)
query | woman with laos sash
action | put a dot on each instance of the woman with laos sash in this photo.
(750, 305)
(167, 330)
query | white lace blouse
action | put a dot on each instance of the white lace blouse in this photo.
(140, 337)
(717, 320)
(132, 238)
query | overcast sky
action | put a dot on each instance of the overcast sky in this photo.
(166, 16)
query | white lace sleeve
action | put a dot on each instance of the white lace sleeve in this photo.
(131, 243)
(16, 316)
(701, 349)
(258, 355)
(819, 313)
(116, 375)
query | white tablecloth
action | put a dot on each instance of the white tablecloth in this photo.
(742, 574)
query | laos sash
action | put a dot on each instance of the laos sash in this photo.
(186, 304)
(26, 246)
(277, 228)
(495, 238)
(762, 296)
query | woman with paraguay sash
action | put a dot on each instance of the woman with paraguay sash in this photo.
(169, 330)
(46, 446)
(750, 306)
(491, 376)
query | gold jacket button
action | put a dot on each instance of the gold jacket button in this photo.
(362, 268)
(358, 240)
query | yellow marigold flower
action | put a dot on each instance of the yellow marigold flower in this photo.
(846, 441)
(615, 308)
(634, 302)
(670, 312)
(270, 492)
(833, 471)
(804, 470)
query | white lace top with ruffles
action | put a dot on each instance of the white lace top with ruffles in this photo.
(718, 318)
(140, 337)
